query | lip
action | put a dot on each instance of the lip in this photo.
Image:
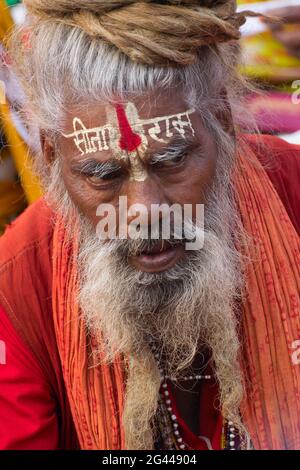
(157, 262)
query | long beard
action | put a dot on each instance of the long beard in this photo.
(185, 309)
(174, 308)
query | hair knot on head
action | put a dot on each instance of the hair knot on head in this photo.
(157, 32)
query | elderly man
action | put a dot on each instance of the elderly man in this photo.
(131, 342)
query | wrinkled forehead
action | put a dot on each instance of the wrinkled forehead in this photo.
(99, 113)
(128, 130)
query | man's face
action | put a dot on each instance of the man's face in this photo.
(155, 151)
(151, 150)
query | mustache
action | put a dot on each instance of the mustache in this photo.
(139, 246)
(144, 241)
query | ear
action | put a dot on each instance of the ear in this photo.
(224, 115)
(47, 146)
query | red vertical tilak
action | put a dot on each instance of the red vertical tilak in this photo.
(129, 140)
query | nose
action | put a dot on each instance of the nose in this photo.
(140, 198)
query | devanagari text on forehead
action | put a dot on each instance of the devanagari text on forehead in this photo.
(103, 138)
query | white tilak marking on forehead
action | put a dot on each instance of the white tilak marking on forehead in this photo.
(107, 137)
(138, 171)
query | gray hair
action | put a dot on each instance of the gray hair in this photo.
(63, 66)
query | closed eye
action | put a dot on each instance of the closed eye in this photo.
(106, 176)
(102, 180)
(171, 157)
(99, 173)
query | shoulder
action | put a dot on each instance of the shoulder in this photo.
(27, 233)
(25, 256)
(26, 276)
(281, 162)
(268, 147)
(27, 326)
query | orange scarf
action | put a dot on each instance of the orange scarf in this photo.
(270, 324)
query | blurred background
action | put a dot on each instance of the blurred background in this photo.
(271, 58)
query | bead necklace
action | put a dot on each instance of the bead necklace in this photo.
(229, 432)
(187, 378)
(229, 437)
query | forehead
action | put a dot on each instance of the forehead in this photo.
(142, 124)
(150, 105)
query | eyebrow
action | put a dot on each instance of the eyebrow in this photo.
(96, 168)
(174, 148)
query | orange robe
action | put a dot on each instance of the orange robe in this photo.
(27, 324)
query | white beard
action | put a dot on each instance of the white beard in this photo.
(184, 309)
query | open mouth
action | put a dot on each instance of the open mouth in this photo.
(157, 257)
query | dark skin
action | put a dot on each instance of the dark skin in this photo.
(184, 180)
